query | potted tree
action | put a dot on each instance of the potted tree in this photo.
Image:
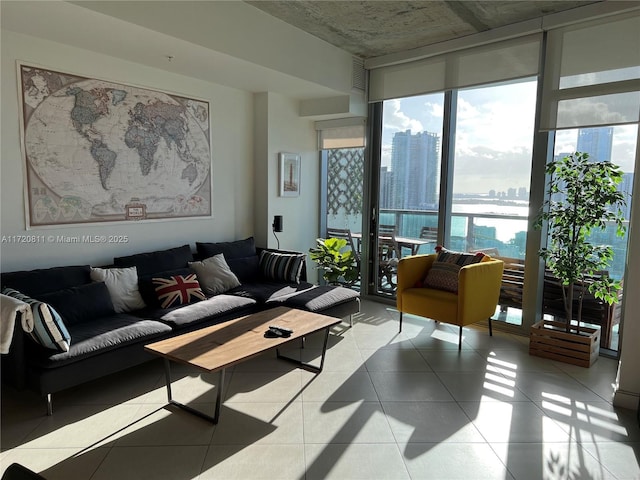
(339, 266)
(583, 197)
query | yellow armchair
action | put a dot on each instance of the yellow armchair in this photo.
(476, 300)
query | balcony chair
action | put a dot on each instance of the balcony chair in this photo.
(430, 234)
(388, 256)
(345, 233)
(476, 298)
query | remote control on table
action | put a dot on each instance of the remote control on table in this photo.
(280, 331)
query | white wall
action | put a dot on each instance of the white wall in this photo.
(232, 167)
(279, 128)
(628, 388)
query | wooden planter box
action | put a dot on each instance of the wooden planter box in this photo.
(549, 339)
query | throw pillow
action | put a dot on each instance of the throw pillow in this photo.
(247, 269)
(46, 280)
(214, 275)
(148, 289)
(285, 267)
(234, 249)
(178, 290)
(443, 274)
(122, 284)
(82, 303)
(158, 261)
(48, 328)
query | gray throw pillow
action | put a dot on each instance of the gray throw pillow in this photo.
(122, 284)
(214, 275)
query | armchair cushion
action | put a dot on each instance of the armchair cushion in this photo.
(443, 274)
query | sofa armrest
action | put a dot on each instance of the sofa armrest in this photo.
(479, 290)
(14, 363)
(411, 269)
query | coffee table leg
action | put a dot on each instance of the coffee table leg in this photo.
(308, 366)
(187, 408)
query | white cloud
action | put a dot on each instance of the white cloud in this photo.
(504, 123)
(435, 109)
(397, 121)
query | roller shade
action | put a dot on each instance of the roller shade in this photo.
(500, 61)
(593, 74)
(341, 133)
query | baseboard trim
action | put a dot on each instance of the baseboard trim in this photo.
(626, 399)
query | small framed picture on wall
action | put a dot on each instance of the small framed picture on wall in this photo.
(289, 174)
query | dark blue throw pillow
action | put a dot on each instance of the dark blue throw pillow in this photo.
(45, 280)
(79, 304)
(158, 261)
(247, 269)
(240, 255)
(230, 250)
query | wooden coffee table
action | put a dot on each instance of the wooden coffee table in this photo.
(220, 346)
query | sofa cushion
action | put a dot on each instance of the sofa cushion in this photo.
(247, 269)
(178, 290)
(216, 306)
(284, 267)
(107, 333)
(122, 284)
(443, 274)
(158, 261)
(214, 275)
(241, 256)
(45, 280)
(48, 328)
(320, 298)
(84, 303)
(266, 291)
(236, 249)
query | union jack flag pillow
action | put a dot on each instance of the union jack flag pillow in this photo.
(178, 290)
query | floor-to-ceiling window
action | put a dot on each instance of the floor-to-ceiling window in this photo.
(490, 136)
(591, 104)
(462, 139)
(616, 144)
(492, 157)
(342, 173)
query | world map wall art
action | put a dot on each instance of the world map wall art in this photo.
(98, 151)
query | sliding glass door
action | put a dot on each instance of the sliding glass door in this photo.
(492, 157)
(409, 189)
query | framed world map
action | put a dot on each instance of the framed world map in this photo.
(98, 151)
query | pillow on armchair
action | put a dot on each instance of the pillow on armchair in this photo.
(443, 274)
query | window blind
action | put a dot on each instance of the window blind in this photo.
(341, 133)
(592, 74)
(500, 61)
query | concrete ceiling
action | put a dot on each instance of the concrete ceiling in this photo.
(370, 29)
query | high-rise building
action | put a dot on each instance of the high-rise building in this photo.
(385, 187)
(414, 163)
(597, 142)
(626, 187)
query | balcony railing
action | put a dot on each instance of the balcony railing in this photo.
(469, 231)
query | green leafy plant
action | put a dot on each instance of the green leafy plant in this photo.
(337, 264)
(583, 196)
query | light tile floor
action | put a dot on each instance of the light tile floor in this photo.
(387, 406)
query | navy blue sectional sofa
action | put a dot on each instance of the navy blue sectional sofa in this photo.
(104, 342)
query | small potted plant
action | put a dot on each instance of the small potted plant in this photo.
(583, 196)
(339, 266)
